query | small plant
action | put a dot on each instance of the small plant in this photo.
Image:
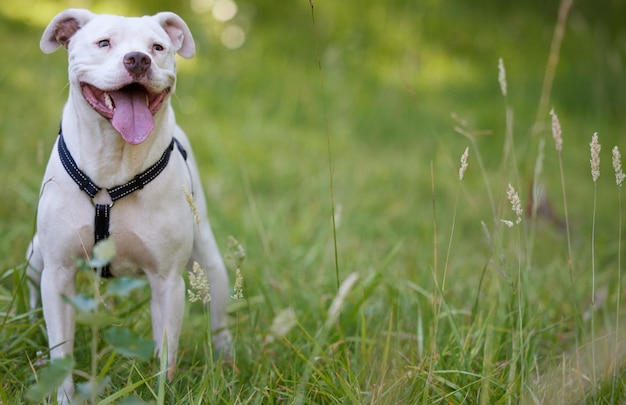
(90, 312)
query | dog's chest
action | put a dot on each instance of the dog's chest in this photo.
(152, 229)
(150, 237)
(148, 218)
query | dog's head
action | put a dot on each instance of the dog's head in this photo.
(123, 66)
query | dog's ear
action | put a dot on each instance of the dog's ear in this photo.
(178, 32)
(62, 27)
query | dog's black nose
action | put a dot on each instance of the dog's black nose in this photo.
(137, 63)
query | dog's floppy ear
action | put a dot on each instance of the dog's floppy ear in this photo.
(178, 32)
(62, 27)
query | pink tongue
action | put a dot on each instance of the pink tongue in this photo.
(131, 118)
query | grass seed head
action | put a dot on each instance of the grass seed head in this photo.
(192, 204)
(516, 204)
(502, 76)
(238, 288)
(236, 252)
(556, 131)
(617, 166)
(282, 323)
(463, 167)
(595, 157)
(199, 290)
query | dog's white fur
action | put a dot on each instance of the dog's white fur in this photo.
(154, 228)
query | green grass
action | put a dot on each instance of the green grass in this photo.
(512, 324)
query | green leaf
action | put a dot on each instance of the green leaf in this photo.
(97, 263)
(86, 311)
(123, 286)
(103, 252)
(128, 343)
(51, 377)
(84, 389)
(81, 303)
(98, 319)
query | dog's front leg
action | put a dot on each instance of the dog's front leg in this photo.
(59, 316)
(33, 270)
(167, 305)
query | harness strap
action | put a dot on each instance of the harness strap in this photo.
(83, 181)
(102, 211)
(101, 231)
(140, 180)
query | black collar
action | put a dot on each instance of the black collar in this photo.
(102, 215)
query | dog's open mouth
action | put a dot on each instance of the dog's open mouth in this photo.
(130, 108)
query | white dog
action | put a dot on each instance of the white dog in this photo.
(120, 167)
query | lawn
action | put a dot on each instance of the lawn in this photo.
(330, 143)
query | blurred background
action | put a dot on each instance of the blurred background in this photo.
(396, 78)
(282, 97)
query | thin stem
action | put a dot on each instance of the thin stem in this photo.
(553, 61)
(570, 263)
(619, 292)
(567, 227)
(445, 267)
(94, 364)
(483, 171)
(535, 198)
(330, 154)
(432, 180)
(509, 155)
(486, 180)
(94, 339)
(593, 288)
(436, 298)
(163, 367)
(520, 313)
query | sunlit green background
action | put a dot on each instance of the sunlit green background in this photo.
(393, 75)
(392, 71)
(280, 96)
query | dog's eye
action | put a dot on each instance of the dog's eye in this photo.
(104, 43)
(157, 47)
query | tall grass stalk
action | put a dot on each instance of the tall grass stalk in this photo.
(520, 316)
(318, 55)
(437, 300)
(434, 204)
(558, 143)
(553, 61)
(440, 288)
(509, 156)
(94, 346)
(472, 138)
(536, 198)
(433, 342)
(619, 177)
(462, 170)
(595, 173)
(320, 339)
(518, 342)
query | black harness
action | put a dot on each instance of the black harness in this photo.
(102, 215)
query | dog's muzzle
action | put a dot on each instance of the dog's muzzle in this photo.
(130, 108)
